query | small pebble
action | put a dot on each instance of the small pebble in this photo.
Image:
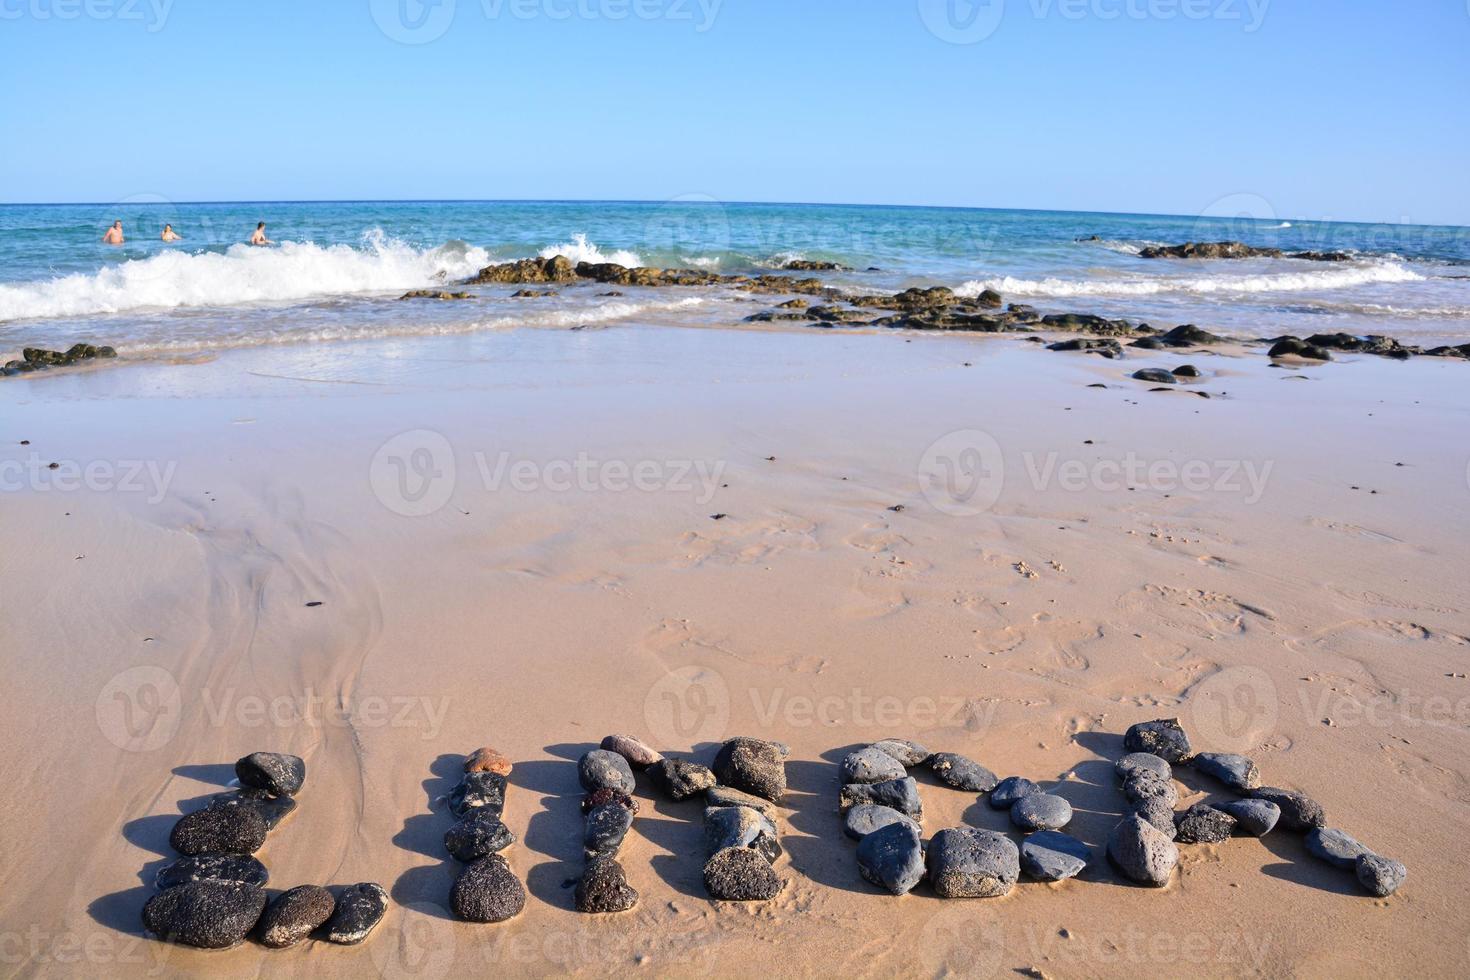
(1335, 847)
(1203, 824)
(358, 911)
(907, 752)
(871, 765)
(1253, 817)
(639, 755)
(604, 830)
(1380, 875)
(478, 835)
(1299, 812)
(486, 759)
(1041, 811)
(478, 791)
(603, 888)
(1235, 771)
(680, 779)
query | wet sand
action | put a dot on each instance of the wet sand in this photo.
(512, 541)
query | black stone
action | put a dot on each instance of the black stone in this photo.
(908, 752)
(892, 858)
(740, 826)
(294, 915)
(1254, 817)
(481, 791)
(1134, 761)
(272, 809)
(1335, 847)
(275, 772)
(1009, 790)
(1156, 376)
(358, 911)
(601, 769)
(1203, 824)
(488, 891)
(962, 773)
(206, 914)
(754, 766)
(900, 794)
(478, 835)
(1235, 771)
(865, 818)
(213, 867)
(604, 830)
(219, 830)
(1380, 875)
(972, 863)
(739, 874)
(871, 765)
(1053, 856)
(604, 888)
(1041, 811)
(1299, 812)
(1164, 738)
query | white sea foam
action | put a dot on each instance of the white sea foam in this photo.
(579, 249)
(559, 319)
(1281, 282)
(242, 275)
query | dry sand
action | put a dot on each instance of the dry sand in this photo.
(157, 629)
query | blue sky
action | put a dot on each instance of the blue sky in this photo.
(1347, 109)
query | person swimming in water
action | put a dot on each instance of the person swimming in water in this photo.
(259, 237)
(114, 234)
(169, 235)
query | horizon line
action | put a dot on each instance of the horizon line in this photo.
(698, 203)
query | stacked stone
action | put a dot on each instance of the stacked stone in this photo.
(214, 895)
(487, 890)
(608, 809)
(1046, 853)
(742, 841)
(1143, 844)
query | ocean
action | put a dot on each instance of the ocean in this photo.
(339, 268)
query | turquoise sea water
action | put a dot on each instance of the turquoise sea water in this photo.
(339, 268)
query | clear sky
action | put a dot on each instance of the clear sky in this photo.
(1347, 109)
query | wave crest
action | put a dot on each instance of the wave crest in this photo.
(1282, 282)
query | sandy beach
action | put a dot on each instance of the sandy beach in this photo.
(380, 556)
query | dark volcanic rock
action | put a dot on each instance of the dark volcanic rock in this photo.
(272, 809)
(892, 858)
(206, 914)
(1134, 761)
(1010, 790)
(680, 779)
(434, 294)
(1159, 813)
(1203, 824)
(1087, 323)
(739, 874)
(604, 829)
(754, 766)
(1145, 785)
(1156, 376)
(865, 818)
(604, 888)
(1186, 371)
(1053, 856)
(358, 911)
(740, 826)
(1041, 811)
(1235, 771)
(1335, 847)
(1380, 875)
(487, 891)
(1165, 738)
(478, 791)
(555, 269)
(212, 867)
(907, 752)
(972, 863)
(1141, 853)
(600, 769)
(478, 835)
(871, 765)
(294, 915)
(638, 754)
(1292, 347)
(899, 794)
(1106, 346)
(274, 772)
(1189, 335)
(810, 265)
(1254, 817)
(962, 773)
(219, 830)
(1209, 250)
(1299, 812)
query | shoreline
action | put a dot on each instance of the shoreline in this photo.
(1045, 622)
